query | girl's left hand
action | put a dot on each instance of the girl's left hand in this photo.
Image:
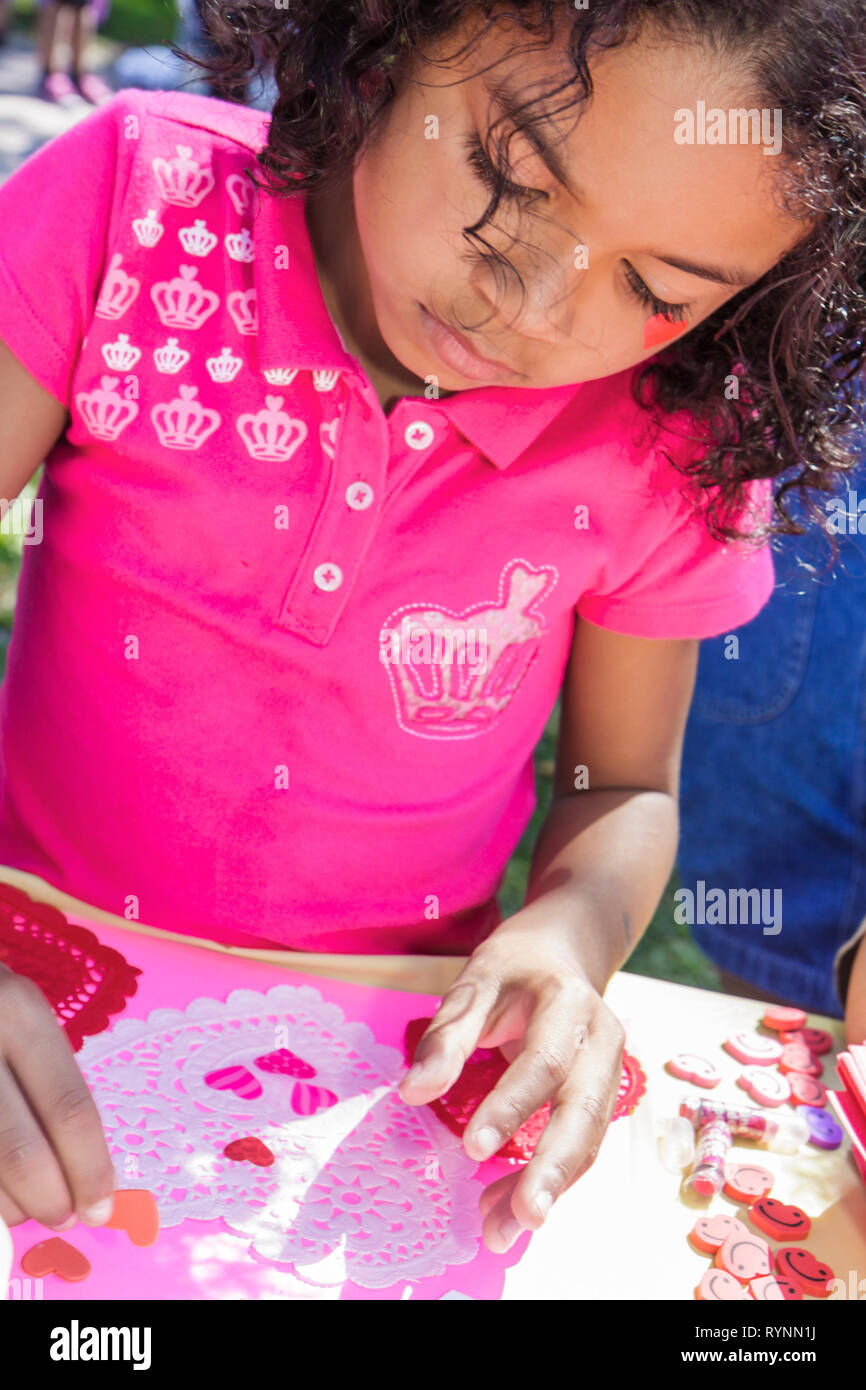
(525, 982)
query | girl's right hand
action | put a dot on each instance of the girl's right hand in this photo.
(54, 1160)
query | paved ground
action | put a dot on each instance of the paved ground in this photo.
(27, 122)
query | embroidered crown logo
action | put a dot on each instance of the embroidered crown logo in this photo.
(121, 356)
(224, 368)
(280, 376)
(183, 180)
(271, 434)
(325, 381)
(197, 240)
(240, 245)
(119, 290)
(183, 302)
(148, 229)
(243, 309)
(242, 193)
(184, 423)
(105, 412)
(170, 358)
(454, 674)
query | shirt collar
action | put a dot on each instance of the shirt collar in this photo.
(501, 421)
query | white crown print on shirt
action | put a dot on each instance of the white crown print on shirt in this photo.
(182, 180)
(121, 356)
(118, 291)
(463, 691)
(170, 358)
(224, 368)
(271, 434)
(197, 240)
(148, 229)
(182, 302)
(184, 423)
(105, 412)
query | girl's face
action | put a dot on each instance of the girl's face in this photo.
(630, 221)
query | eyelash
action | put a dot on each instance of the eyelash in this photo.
(484, 170)
(675, 312)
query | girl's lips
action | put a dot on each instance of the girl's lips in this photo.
(458, 355)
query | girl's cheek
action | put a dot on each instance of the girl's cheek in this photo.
(659, 329)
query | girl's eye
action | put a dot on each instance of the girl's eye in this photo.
(484, 170)
(675, 312)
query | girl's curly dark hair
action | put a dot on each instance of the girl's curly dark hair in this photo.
(794, 342)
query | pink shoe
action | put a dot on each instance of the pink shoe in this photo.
(59, 87)
(93, 89)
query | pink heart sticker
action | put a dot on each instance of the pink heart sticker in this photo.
(237, 1079)
(306, 1100)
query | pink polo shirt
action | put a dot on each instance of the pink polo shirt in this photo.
(280, 661)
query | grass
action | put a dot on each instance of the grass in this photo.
(666, 950)
(135, 23)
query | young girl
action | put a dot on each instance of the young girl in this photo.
(347, 477)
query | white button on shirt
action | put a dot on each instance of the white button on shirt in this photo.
(359, 496)
(328, 577)
(418, 435)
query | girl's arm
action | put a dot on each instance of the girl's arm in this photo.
(605, 853)
(534, 985)
(54, 1160)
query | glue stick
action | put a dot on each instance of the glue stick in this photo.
(708, 1175)
(781, 1133)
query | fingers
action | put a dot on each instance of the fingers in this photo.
(451, 1038)
(54, 1160)
(580, 1114)
(554, 1035)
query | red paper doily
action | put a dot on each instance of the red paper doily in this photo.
(480, 1074)
(84, 982)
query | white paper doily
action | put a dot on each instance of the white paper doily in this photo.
(370, 1189)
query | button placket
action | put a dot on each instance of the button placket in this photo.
(344, 528)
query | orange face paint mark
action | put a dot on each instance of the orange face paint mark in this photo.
(659, 330)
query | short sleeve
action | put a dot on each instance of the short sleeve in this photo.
(672, 579)
(57, 212)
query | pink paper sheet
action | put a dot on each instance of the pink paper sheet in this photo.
(369, 1198)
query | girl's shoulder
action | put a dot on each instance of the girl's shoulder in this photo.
(164, 114)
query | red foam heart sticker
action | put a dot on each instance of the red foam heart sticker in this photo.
(249, 1149)
(806, 1090)
(282, 1062)
(480, 1073)
(135, 1211)
(660, 329)
(238, 1079)
(801, 1267)
(58, 1257)
(779, 1220)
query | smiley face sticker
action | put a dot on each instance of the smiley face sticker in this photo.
(779, 1220)
(773, 1288)
(766, 1087)
(745, 1257)
(720, 1287)
(748, 1182)
(709, 1233)
(753, 1049)
(801, 1267)
(688, 1066)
